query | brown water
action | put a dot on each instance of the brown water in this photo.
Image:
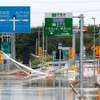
(52, 88)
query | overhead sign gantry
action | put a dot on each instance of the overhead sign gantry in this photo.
(13, 19)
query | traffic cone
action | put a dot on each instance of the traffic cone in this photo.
(24, 74)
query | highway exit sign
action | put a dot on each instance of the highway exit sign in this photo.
(58, 23)
(6, 47)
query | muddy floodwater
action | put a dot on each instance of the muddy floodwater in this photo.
(50, 88)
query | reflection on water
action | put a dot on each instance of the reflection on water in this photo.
(55, 88)
(43, 89)
(98, 95)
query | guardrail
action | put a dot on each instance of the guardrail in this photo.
(72, 85)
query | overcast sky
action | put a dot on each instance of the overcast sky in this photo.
(90, 8)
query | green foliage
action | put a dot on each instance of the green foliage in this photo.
(36, 62)
(88, 43)
(49, 58)
(27, 41)
(91, 30)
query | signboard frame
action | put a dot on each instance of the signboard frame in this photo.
(4, 57)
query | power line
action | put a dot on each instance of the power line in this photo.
(87, 10)
(54, 2)
(74, 11)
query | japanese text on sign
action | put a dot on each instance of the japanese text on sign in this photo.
(15, 19)
(97, 48)
(58, 24)
(40, 51)
(70, 53)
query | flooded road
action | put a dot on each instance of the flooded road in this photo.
(51, 88)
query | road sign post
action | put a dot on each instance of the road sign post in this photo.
(58, 24)
(99, 54)
(81, 55)
(36, 49)
(74, 48)
(60, 45)
(38, 41)
(43, 45)
(94, 50)
(0, 57)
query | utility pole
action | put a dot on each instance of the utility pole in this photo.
(81, 55)
(13, 49)
(74, 58)
(74, 47)
(36, 49)
(94, 49)
(13, 45)
(46, 45)
(99, 48)
(38, 40)
(43, 46)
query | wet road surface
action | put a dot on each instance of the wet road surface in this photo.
(50, 88)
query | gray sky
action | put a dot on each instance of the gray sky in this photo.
(90, 8)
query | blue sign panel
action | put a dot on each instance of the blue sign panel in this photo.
(15, 19)
(59, 44)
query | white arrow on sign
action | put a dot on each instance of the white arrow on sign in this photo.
(14, 20)
(26, 20)
(51, 33)
(2, 20)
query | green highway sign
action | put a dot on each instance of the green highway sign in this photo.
(58, 24)
(65, 52)
(54, 57)
(6, 47)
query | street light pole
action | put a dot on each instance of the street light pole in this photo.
(38, 40)
(99, 48)
(81, 54)
(94, 48)
(43, 46)
(46, 45)
(36, 49)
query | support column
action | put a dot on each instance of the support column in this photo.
(13, 46)
(81, 55)
(43, 46)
